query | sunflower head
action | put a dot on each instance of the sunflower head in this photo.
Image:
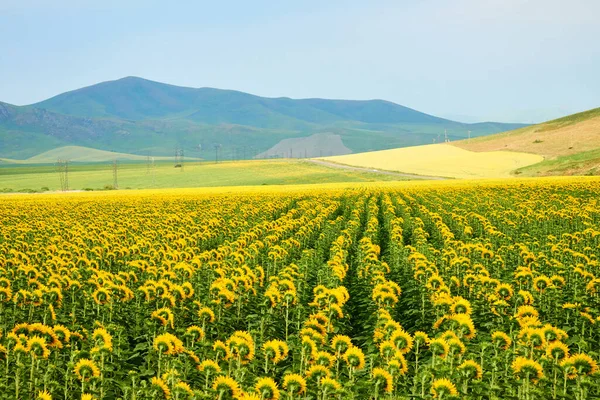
(402, 340)
(557, 351)
(86, 369)
(209, 367)
(44, 395)
(355, 358)
(501, 339)
(443, 387)
(471, 369)
(583, 364)
(225, 385)
(324, 358)
(420, 338)
(526, 368)
(294, 383)
(439, 347)
(461, 306)
(36, 346)
(161, 385)
(329, 385)
(267, 388)
(317, 372)
(195, 332)
(383, 379)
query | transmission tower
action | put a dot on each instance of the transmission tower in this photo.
(115, 169)
(62, 169)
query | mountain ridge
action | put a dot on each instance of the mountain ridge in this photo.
(140, 116)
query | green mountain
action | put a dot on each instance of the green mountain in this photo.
(138, 116)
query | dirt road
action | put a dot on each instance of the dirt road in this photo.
(374, 171)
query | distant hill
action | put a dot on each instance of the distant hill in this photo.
(569, 145)
(565, 146)
(138, 116)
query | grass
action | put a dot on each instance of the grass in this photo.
(561, 137)
(584, 163)
(569, 145)
(165, 175)
(441, 160)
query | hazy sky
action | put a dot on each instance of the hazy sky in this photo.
(504, 60)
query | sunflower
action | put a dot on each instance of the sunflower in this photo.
(209, 366)
(542, 283)
(461, 306)
(526, 311)
(443, 387)
(420, 338)
(456, 347)
(387, 348)
(267, 388)
(86, 369)
(398, 364)
(63, 333)
(183, 387)
(402, 340)
(329, 384)
(381, 376)
(317, 371)
(582, 364)
(221, 349)
(355, 358)
(501, 339)
(87, 396)
(226, 385)
(162, 385)
(195, 332)
(44, 395)
(324, 358)
(36, 346)
(105, 339)
(101, 296)
(439, 347)
(164, 316)
(206, 315)
(524, 367)
(471, 369)
(168, 343)
(504, 291)
(294, 383)
(557, 351)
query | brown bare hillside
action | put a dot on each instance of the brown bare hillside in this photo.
(562, 137)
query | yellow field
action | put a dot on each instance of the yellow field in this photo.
(442, 160)
(375, 291)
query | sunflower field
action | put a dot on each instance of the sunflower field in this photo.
(449, 290)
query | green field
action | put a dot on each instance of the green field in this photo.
(99, 176)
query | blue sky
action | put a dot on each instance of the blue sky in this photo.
(470, 60)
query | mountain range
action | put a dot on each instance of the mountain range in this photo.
(138, 116)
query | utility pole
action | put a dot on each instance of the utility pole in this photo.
(153, 173)
(217, 146)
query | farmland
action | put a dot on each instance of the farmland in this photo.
(442, 160)
(384, 290)
(131, 175)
